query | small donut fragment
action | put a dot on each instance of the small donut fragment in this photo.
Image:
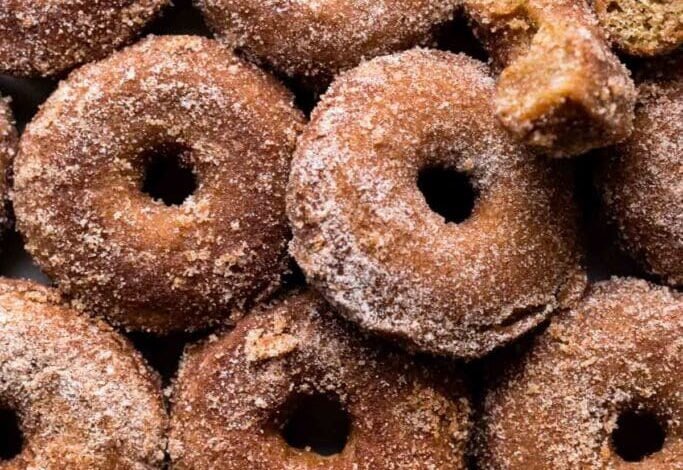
(237, 392)
(561, 91)
(365, 236)
(642, 28)
(641, 180)
(318, 39)
(619, 353)
(124, 254)
(46, 37)
(84, 399)
(8, 148)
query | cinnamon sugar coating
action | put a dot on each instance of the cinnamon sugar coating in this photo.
(366, 238)
(234, 393)
(642, 28)
(46, 37)
(317, 39)
(561, 91)
(8, 148)
(84, 397)
(115, 250)
(620, 350)
(641, 180)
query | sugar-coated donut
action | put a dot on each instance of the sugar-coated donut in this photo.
(120, 253)
(46, 37)
(317, 39)
(8, 148)
(561, 90)
(620, 351)
(641, 179)
(83, 397)
(642, 28)
(366, 238)
(235, 393)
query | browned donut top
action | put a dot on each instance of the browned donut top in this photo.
(620, 350)
(45, 37)
(8, 147)
(318, 38)
(117, 251)
(562, 91)
(642, 179)
(85, 399)
(365, 236)
(234, 393)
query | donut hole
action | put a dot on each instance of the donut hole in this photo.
(167, 176)
(317, 423)
(639, 434)
(11, 437)
(447, 192)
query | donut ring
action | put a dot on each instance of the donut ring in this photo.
(365, 237)
(317, 40)
(84, 397)
(46, 37)
(8, 147)
(235, 392)
(118, 252)
(619, 351)
(561, 90)
(640, 180)
(642, 28)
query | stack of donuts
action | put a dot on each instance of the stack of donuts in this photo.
(375, 250)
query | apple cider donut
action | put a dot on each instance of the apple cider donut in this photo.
(237, 394)
(611, 363)
(82, 397)
(365, 236)
(642, 28)
(8, 147)
(317, 39)
(142, 262)
(562, 91)
(46, 37)
(640, 180)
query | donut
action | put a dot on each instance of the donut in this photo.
(144, 262)
(237, 393)
(8, 147)
(366, 238)
(315, 40)
(81, 396)
(640, 28)
(611, 362)
(46, 37)
(640, 180)
(561, 90)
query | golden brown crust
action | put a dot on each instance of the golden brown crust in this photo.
(45, 37)
(561, 90)
(365, 237)
(642, 28)
(8, 148)
(233, 390)
(642, 179)
(319, 38)
(116, 251)
(619, 350)
(84, 397)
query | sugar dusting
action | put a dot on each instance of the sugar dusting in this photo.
(8, 148)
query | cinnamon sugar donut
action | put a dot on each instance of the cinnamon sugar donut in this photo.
(45, 37)
(641, 179)
(8, 147)
(120, 253)
(618, 353)
(235, 393)
(366, 238)
(561, 90)
(317, 39)
(83, 397)
(642, 28)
